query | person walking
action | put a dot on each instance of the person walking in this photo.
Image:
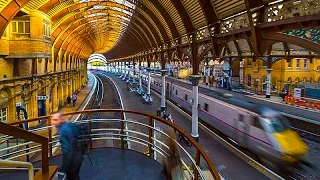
(68, 101)
(74, 99)
(72, 156)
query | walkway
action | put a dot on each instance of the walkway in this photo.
(229, 165)
(108, 163)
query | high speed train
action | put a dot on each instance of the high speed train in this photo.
(261, 130)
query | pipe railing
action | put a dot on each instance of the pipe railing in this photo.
(147, 139)
(15, 132)
(15, 164)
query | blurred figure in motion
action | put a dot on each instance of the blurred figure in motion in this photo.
(173, 165)
(72, 156)
(69, 101)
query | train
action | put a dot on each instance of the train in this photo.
(261, 130)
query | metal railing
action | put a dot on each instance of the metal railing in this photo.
(11, 132)
(147, 135)
(15, 164)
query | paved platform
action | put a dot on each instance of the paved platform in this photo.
(274, 102)
(108, 163)
(229, 165)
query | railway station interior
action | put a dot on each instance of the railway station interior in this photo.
(168, 89)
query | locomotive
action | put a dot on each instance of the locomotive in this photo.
(259, 129)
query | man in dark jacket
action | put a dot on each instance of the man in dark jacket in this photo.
(72, 156)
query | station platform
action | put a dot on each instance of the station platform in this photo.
(230, 164)
(275, 102)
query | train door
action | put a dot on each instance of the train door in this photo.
(41, 106)
(243, 128)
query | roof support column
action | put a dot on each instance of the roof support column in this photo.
(195, 78)
(163, 81)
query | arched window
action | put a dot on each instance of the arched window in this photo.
(264, 83)
(249, 80)
(305, 80)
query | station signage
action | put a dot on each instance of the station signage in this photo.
(297, 92)
(41, 97)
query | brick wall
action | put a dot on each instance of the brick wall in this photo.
(25, 66)
(6, 68)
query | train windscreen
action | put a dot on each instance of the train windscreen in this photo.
(276, 124)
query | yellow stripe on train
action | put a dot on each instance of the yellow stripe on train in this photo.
(294, 148)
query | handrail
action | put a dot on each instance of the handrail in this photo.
(20, 133)
(199, 150)
(19, 164)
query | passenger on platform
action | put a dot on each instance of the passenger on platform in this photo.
(72, 156)
(68, 101)
(74, 99)
(170, 118)
(284, 93)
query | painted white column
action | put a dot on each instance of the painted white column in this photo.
(129, 73)
(140, 78)
(134, 74)
(268, 82)
(163, 91)
(207, 76)
(121, 69)
(195, 129)
(149, 81)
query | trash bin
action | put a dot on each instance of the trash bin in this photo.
(158, 112)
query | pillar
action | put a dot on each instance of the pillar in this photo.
(121, 69)
(140, 78)
(149, 81)
(163, 90)
(207, 76)
(268, 93)
(195, 82)
(134, 73)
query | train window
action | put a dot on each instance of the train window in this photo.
(276, 124)
(256, 123)
(206, 106)
(186, 97)
(176, 92)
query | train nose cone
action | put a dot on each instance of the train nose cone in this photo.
(291, 144)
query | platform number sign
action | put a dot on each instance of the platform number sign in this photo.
(41, 98)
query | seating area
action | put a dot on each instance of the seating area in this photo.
(303, 102)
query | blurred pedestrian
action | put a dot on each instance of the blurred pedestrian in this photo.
(173, 165)
(68, 101)
(72, 156)
(74, 99)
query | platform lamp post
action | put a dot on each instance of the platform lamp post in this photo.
(149, 81)
(140, 76)
(268, 82)
(134, 73)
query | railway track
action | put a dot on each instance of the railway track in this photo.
(306, 170)
(305, 129)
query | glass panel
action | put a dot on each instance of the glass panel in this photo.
(5, 33)
(27, 27)
(276, 124)
(44, 29)
(20, 27)
(14, 27)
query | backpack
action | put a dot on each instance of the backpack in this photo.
(83, 138)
